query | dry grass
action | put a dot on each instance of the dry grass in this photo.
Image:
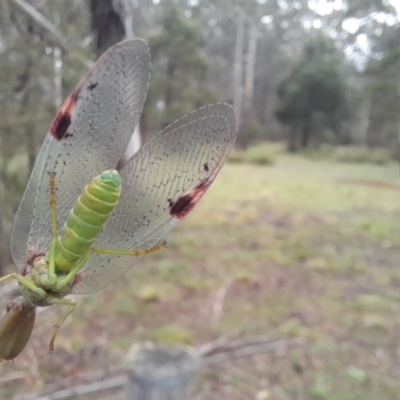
(298, 255)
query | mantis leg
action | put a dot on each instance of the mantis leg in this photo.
(62, 302)
(63, 281)
(130, 252)
(54, 229)
(25, 282)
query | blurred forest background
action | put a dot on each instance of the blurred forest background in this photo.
(307, 72)
(296, 240)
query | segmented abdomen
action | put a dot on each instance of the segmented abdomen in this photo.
(92, 209)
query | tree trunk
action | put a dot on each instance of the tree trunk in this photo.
(126, 14)
(250, 71)
(292, 148)
(112, 21)
(238, 68)
(168, 91)
(305, 135)
(362, 137)
(245, 133)
(106, 24)
(398, 140)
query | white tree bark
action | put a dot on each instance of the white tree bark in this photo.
(238, 67)
(250, 69)
(57, 67)
(125, 8)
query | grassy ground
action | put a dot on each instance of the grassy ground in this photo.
(308, 257)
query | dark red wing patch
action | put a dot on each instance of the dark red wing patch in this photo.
(182, 207)
(62, 120)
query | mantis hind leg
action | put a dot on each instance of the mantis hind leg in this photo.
(63, 281)
(136, 253)
(62, 302)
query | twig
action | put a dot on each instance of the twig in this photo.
(219, 302)
(223, 344)
(42, 21)
(209, 348)
(114, 383)
(236, 344)
(252, 350)
(89, 378)
(14, 376)
(50, 27)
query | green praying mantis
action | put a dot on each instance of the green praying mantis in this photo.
(75, 234)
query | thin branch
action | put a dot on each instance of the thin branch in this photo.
(50, 27)
(252, 350)
(43, 21)
(84, 379)
(211, 347)
(219, 302)
(80, 390)
(109, 384)
(14, 376)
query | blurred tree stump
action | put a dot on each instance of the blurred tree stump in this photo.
(161, 372)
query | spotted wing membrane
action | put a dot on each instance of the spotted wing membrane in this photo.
(88, 135)
(160, 185)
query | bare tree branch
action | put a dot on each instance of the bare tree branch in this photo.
(251, 350)
(43, 21)
(49, 26)
(219, 302)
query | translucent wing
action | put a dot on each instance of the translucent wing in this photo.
(160, 185)
(88, 135)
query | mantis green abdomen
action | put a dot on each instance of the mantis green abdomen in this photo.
(91, 211)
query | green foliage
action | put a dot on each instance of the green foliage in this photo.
(172, 334)
(149, 294)
(356, 374)
(291, 328)
(312, 97)
(253, 131)
(371, 303)
(350, 154)
(376, 322)
(322, 388)
(179, 68)
(262, 154)
(359, 154)
(172, 271)
(383, 88)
